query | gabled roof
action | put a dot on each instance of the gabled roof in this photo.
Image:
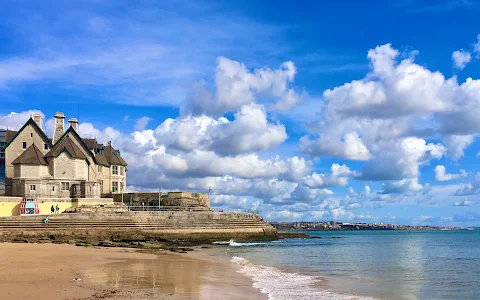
(110, 154)
(35, 126)
(74, 134)
(90, 143)
(7, 135)
(68, 145)
(101, 160)
(31, 156)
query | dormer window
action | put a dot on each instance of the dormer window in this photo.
(24, 145)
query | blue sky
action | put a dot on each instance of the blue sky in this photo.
(347, 110)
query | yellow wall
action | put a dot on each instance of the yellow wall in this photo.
(10, 206)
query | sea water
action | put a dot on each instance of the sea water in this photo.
(365, 265)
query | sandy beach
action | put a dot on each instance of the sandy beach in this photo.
(47, 271)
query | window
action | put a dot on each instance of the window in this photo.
(45, 146)
(99, 169)
(53, 189)
(32, 187)
(101, 185)
(31, 134)
(121, 170)
(115, 170)
(114, 186)
(121, 186)
(24, 145)
(65, 186)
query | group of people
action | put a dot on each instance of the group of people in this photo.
(54, 210)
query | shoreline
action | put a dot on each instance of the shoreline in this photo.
(46, 271)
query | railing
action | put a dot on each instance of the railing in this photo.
(236, 210)
(191, 209)
(166, 208)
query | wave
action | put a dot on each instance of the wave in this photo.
(232, 243)
(280, 285)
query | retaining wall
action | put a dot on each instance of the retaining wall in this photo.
(10, 206)
(141, 226)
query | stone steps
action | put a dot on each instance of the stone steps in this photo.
(117, 224)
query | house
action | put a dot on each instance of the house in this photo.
(66, 166)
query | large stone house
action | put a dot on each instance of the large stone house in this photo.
(66, 166)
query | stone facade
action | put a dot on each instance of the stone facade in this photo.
(185, 199)
(71, 167)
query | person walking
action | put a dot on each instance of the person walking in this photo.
(57, 209)
(52, 209)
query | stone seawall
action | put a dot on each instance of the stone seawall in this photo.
(192, 227)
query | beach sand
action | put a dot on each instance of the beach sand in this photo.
(46, 271)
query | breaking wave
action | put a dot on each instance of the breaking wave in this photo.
(232, 243)
(280, 285)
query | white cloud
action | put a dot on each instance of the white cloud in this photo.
(249, 132)
(470, 188)
(351, 147)
(404, 187)
(15, 121)
(461, 58)
(142, 123)
(398, 101)
(236, 86)
(456, 145)
(464, 203)
(476, 46)
(441, 174)
(338, 177)
(401, 160)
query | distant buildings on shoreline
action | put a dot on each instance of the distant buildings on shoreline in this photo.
(345, 226)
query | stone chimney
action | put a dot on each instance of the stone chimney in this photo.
(38, 119)
(59, 126)
(74, 124)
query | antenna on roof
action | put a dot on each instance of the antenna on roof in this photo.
(78, 115)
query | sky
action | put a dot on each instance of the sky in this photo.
(353, 111)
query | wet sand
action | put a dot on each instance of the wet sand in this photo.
(46, 271)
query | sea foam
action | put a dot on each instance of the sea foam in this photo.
(280, 285)
(232, 243)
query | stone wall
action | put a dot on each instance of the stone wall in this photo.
(199, 227)
(10, 206)
(171, 199)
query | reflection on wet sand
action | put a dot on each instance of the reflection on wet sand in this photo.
(170, 274)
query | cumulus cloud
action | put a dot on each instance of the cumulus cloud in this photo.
(249, 132)
(338, 177)
(470, 188)
(404, 187)
(456, 144)
(401, 160)
(141, 123)
(442, 175)
(461, 58)
(398, 102)
(236, 86)
(15, 121)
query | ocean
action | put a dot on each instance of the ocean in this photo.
(365, 265)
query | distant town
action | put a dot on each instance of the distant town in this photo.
(324, 226)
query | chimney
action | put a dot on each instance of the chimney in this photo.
(74, 124)
(59, 126)
(38, 119)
